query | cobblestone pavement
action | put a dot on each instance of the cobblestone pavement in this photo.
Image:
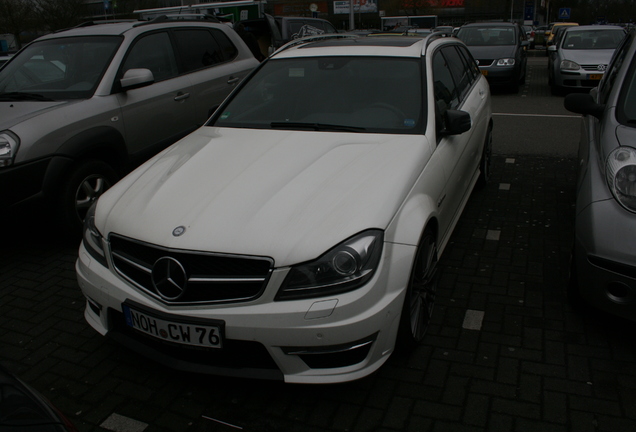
(505, 351)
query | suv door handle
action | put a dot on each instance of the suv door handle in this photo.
(181, 96)
(233, 80)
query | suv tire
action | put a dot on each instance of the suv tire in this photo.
(87, 181)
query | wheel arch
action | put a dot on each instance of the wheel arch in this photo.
(101, 143)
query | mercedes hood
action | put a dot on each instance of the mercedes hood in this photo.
(287, 195)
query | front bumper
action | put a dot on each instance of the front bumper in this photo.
(501, 75)
(322, 340)
(605, 258)
(577, 80)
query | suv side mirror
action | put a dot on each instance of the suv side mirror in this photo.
(583, 104)
(135, 78)
(457, 122)
(552, 48)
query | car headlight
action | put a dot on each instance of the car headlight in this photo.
(9, 144)
(621, 176)
(92, 238)
(344, 268)
(506, 62)
(569, 65)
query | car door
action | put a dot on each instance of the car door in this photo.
(456, 87)
(209, 59)
(158, 114)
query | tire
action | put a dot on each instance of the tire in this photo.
(485, 164)
(86, 182)
(420, 294)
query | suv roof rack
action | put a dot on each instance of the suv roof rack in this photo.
(97, 22)
(180, 17)
(315, 38)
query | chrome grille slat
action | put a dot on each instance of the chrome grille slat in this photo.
(211, 277)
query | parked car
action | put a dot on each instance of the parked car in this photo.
(539, 36)
(296, 235)
(529, 35)
(604, 256)
(580, 56)
(552, 31)
(500, 51)
(81, 106)
(272, 32)
(22, 408)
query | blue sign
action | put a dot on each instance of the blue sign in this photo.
(564, 13)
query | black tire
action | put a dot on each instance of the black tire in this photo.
(86, 182)
(485, 164)
(420, 294)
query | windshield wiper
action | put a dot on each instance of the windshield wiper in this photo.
(20, 96)
(316, 126)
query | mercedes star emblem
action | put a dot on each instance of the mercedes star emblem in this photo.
(169, 278)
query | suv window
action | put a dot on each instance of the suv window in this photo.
(446, 93)
(461, 74)
(198, 49)
(154, 52)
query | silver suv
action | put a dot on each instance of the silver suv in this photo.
(79, 108)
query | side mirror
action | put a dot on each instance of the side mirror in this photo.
(457, 122)
(135, 78)
(583, 104)
(552, 48)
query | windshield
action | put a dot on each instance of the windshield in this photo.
(356, 94)
(626, 109)
(487, 36)
(57, 69)
(592, 39)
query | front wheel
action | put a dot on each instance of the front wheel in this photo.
(87, 181)
(485, 164)
(420, 294)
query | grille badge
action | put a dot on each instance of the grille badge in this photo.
(178, 231)
(169, 278)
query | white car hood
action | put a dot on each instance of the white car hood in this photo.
(287, 195)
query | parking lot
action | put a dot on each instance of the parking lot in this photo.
(505, 351)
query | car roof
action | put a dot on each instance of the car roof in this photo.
(594, 27)
(116, 28)
(490, 24)
(389, 46)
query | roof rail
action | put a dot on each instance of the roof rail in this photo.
(437, 35)
(315, 38)
(180, 17)
(96, 22)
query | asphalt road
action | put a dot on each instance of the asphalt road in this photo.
(505, 351)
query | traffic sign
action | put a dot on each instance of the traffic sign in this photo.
(564, 13)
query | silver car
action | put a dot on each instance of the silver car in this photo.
(79, 108)
(604, 259)
(580, 56)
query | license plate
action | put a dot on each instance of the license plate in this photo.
(484, 72)
(595, 76)
(174, 331)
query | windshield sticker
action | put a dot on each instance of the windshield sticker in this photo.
(409, 122)
(296, 72)
(225, 115)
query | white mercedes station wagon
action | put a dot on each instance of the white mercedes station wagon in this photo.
(295, 236)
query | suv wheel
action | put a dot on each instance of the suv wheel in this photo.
(86, 182)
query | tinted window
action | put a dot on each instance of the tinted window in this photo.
(607, 83)
(227, 47)
(470, 62)
(487, 36)
(461, 75)
(197, 49)
(154, 52)
(446, 93)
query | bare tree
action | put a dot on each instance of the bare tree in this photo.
(16, 17)
(54, 15)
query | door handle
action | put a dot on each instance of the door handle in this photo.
(181, 96)
(233, 80)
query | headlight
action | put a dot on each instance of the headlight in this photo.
(569, 65)
(621, 176)
(506, 62)
(92, 238)
(344, 268)
(9, 144)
